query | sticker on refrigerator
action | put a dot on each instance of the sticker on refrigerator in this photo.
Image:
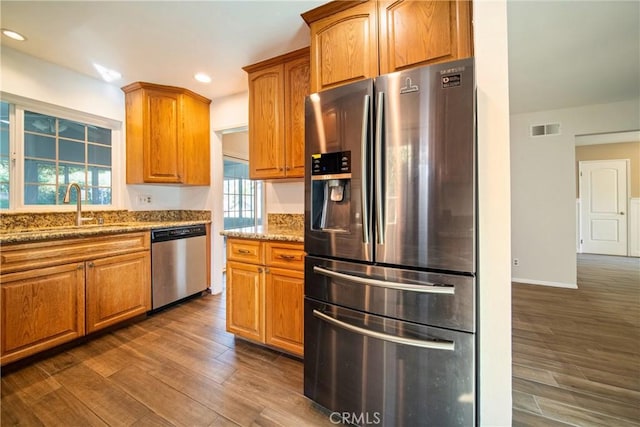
(451, 80)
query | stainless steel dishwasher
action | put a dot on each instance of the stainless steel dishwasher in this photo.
(178, 264)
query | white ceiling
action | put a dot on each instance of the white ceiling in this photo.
(561, 53)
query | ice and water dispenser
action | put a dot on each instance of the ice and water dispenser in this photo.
(331, 191)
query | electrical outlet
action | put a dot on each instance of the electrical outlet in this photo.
(516, 262)
(144, 199)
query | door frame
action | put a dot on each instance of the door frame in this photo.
(581, 201)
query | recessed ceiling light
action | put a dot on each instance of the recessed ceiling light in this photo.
(107, 74)
(202, 78)
(13, 35)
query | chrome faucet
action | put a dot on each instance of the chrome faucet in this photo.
(67, 199)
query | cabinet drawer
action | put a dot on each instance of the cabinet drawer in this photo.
(285, 255)
(249, 251)
(26, 256)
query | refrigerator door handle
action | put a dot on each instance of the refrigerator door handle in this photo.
(430, 288)
(435, 345)
(379, 180)
(365, 171)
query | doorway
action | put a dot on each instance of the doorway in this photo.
(603, 193)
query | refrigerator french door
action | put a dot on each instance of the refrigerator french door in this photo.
(390, 233)
(390, 175)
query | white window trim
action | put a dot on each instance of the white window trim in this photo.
(261, 198)
(16, 149)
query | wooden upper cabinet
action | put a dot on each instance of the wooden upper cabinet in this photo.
(277, 88)
(414, 33)
(354, 40)
(167, 135)
(296, 88)
(266, 123)
(344, 46)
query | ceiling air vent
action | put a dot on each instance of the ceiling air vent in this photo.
(543, 130)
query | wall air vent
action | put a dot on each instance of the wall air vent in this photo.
(544, 130)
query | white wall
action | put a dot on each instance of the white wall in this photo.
(32, 78)
(231, 112)
(494, 249)
(543, 187)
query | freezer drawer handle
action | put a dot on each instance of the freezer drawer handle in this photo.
(435, 345)
(427, 289)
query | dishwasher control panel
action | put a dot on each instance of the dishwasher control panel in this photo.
(183, 232)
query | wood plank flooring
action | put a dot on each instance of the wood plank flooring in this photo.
(178, 367)
(576, 352)
(576, 361)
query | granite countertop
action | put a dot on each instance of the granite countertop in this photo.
(271, 232)
(67, 232)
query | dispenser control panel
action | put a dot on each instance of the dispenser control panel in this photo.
(335, 163)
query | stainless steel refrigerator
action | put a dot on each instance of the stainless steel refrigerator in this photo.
(390, 233)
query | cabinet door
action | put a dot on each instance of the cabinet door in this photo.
(296, 88)
(413, 33)
(245, 300)
(40, 309)
(285, 310)
(344, 47)
(162, 150)
(196, 141)
(266, 115)
(118, 288)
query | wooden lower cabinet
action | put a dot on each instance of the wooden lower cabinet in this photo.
(285, 309)
(41, 309)
(118, 288)
(245, 300)
(265, 293)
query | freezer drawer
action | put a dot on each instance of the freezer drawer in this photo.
(443, 300)
(380, 369)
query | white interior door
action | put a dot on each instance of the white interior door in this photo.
(603, 195)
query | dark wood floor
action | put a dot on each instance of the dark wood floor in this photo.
(576, 352)
(178, 367)
(575, 362)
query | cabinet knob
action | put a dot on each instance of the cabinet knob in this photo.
(91, 264)
(80, 267)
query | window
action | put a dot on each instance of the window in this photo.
(242, 196)
(49, 153)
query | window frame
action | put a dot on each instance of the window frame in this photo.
(17, 106)
(258, 196)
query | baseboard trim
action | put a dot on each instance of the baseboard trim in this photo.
(544, 283)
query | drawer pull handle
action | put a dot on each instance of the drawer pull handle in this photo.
(427, 288)
(287, 257)
(431, 344)
(244, 251)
